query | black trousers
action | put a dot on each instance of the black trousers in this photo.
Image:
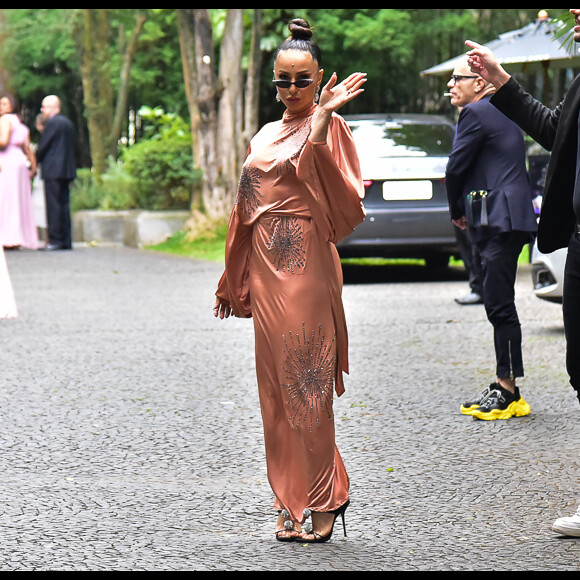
(58, 212)
(499, 259)
(572, 312)
(472, 260)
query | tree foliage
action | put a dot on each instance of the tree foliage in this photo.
(45, 51)
(392, 45)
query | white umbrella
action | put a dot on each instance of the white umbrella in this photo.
(534, 46)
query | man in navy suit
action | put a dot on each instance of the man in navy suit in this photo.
(490, 194)
(557, 131)
(56, 154)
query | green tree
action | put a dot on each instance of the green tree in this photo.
(219, 106)
(104, 109)
(92, 59)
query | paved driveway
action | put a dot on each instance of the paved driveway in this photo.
(131, 436)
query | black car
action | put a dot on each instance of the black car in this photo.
(404, 159)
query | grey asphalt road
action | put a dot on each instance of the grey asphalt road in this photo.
(131, 435)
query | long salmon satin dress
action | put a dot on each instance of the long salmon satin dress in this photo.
(296, 200)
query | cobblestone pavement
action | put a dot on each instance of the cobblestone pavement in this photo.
(131, 437)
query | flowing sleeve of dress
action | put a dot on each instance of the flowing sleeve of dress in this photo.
(331, 172)
(332, 176)
(234, 286)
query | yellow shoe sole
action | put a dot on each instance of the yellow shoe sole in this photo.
(495, 415)
(517, 409)
(523, 409)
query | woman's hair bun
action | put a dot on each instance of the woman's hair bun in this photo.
(301, 40)
(300, 29)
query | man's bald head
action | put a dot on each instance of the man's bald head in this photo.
(51, 106)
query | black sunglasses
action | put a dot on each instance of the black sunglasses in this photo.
(456, 78)
(300, 84)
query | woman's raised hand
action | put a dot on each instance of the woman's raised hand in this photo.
(335, 96)
(332, 98)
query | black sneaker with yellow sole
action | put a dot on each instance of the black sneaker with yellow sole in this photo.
(501, 405)
(469, 407)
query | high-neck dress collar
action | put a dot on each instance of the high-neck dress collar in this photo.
(290, 118)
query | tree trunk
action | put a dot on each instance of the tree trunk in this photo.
(124, 85)
(104, 114)
(4, 88)
(220, 125)
(231, 102)
(207, 92)
(93, 46)
(185, 24)
(252, 92)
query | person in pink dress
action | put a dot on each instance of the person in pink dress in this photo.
(17, 169)
(7, 302)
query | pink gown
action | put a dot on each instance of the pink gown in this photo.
(296, 200)
(7, 302)
(17, 217)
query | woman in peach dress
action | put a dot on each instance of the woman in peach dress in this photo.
(300, 193)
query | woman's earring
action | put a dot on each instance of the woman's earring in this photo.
(317, 97)
(278, 99)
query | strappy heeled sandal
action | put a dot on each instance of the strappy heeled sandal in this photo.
(289, 533)
(316, 537)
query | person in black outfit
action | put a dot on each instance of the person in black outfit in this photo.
(472, 263)
(557, 131)
(489, 193)
(464, 92)
(56, 154)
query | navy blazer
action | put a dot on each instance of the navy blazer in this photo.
(557, 131)
(56, 150)
(489, 155)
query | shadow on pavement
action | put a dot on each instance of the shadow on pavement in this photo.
(397, 274)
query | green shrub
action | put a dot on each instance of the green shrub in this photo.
(115, 191)
(155, 174)
(163, 170)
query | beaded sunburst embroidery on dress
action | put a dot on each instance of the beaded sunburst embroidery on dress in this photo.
(309, 367)
(289, 148)
(287, 245)
(249, 190)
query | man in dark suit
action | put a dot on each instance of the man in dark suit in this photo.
(557, 131)
(56, 154)
(489, 193)
(463, 94)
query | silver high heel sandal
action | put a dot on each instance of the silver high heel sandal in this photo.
(317, 538)
(289, 533)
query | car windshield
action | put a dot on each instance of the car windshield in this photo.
(382, 139)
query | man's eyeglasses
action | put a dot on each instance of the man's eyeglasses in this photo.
(456, 78)
(300, 84)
